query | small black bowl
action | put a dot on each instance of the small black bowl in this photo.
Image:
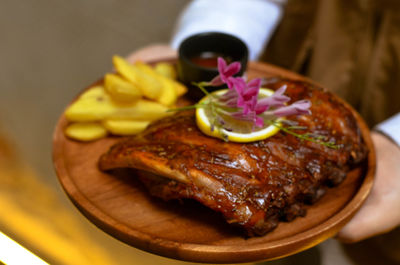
(208, 44)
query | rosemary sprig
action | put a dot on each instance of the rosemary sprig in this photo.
(195, 106)
(306, 137)
(202, 85)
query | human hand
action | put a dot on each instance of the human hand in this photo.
(152, 52)
(381, 211)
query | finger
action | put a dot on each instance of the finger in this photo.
(375, 217)
(380, 212)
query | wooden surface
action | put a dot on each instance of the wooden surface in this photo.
(120, 206)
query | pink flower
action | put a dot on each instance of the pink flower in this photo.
(250, 117)
(234, 96)
(225, 73)
(245, 97)
(297, 108)
(252, 89)
(245, 94)
(276, 100)
(230, 98)
(242, 97)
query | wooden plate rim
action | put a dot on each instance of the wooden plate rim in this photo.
(216, 253)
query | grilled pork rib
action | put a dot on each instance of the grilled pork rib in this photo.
(254, 185)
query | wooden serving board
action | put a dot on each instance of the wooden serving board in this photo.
(121, 206)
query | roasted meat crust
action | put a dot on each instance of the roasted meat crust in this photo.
(254, 185)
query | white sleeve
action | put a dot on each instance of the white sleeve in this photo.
(391, 128)
(253, 21)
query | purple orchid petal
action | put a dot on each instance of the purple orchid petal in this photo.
(276, 100)
(231, 82)
(253, 87)
(232, 103)
(250, 93)
(245, 101)
(297, 108)
(229, 98)
(234, 97)
(252, 102)
(216, 81)
(250, 117)
(225, 72)
(259, 122)
(241, 103)
(229, 95)
(255, 83)
(232, 69)
(239, 84)
(244, 117)
(221, 65)
(260, 108)
(246, 109)
(273, 101)
(281, 90)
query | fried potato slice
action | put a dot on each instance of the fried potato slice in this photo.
(125, 127)
(150, 86)
(120, 89)
(180, 89)
(168, 95)
(96, 105)
(86, 131)
(93, 92)
(166, 69)
(93, 105)
(144, 110)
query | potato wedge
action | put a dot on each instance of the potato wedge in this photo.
(120, 89)
(144, 110)
(168, 94)
(179, 88)
(86, 131)
(93, 92)
(98, 106)
(125, 127)
(93, 105)
(149, 85)
(125, 69)
(166, 69)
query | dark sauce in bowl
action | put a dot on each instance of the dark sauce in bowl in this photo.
(209, 59)
(198, 58)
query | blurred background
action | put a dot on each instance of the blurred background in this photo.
(50, 51)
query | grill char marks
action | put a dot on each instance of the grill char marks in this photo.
(254, 185)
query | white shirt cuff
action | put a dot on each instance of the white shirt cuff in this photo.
(391, 128)
(253, 21)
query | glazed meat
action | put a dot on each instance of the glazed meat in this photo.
(254, 185)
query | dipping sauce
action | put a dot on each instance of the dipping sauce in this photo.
(209, 59)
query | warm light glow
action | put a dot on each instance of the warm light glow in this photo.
(12, 253)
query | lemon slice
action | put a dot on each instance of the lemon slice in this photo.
(240, 131)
